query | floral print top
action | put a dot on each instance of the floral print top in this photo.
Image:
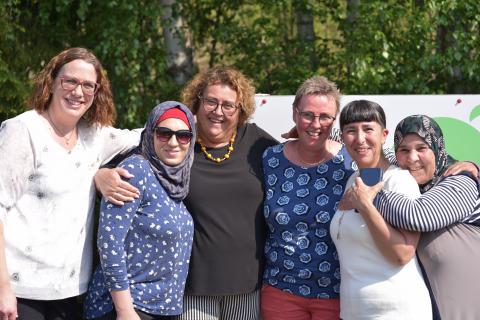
(300, 202)
(144, 246)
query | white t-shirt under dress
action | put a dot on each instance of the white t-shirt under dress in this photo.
(46, 203)
(371, 287)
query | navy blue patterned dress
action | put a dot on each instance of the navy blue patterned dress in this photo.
(144, 246)
(300, 202)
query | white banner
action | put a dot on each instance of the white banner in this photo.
(458, 115)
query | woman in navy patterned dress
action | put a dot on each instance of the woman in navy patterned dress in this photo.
(145, 245)
(304, 181)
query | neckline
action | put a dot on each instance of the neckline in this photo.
(310, 167)
(238, 134)
(225, 157)
(65, 138)
(50, 140)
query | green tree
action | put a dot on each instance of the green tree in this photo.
(13, 87)
(367, 47)
(125, 35)
(408, 47)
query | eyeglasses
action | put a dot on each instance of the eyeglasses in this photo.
(88, 88)
(211, 104)
(165, 134)
(309, 117)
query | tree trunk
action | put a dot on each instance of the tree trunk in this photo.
(352, 10)
(178, 50)
(352, 17)
(420, 3)
(306, 34)
(445, 40)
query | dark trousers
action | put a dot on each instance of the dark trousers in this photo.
(144, 316)
(65, 309)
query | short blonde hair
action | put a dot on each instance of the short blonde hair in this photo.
(318, 85)
(244, 88)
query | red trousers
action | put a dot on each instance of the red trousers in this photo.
(279, 305)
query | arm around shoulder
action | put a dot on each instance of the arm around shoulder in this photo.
(113, 188)
(115, 141)
(449, 202)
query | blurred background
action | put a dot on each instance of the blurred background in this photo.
(150, 49)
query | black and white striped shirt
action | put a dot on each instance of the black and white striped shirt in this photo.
(454, 199)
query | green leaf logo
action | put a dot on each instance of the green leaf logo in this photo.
(461, 138)
(475, 113)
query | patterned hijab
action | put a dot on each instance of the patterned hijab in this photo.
(175, 179)
(431, 133)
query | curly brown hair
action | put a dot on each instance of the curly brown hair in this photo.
(102, 110)
(221, 75)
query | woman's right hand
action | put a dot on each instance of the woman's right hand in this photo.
(8, 304)
(359, 196)
(292, 134)
(113, 188)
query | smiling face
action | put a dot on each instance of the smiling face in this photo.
(364, 141)
(314, 134)
(171, 152)
(414, 154)
(214, 127)
(73, 103)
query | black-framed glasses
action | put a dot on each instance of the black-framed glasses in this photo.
(165, 134)
(211, 104)
(89, 88)
(309, 117)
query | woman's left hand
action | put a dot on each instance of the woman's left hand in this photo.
(460, 166)
(359, 195)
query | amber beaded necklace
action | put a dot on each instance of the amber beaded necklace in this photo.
(209, 156)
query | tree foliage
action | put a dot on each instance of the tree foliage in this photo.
(367, 47)
(399, 47)
(125, 35)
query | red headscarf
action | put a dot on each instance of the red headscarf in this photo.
(176, 113)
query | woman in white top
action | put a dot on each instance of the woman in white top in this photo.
(381, 278)
(49, 157)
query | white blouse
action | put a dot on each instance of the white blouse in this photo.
(371, 287)
(46, 203)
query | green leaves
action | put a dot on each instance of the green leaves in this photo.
(377, 47)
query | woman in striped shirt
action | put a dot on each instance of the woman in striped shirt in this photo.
(448, 214)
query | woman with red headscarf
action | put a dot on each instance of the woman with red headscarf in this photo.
(145, 245)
